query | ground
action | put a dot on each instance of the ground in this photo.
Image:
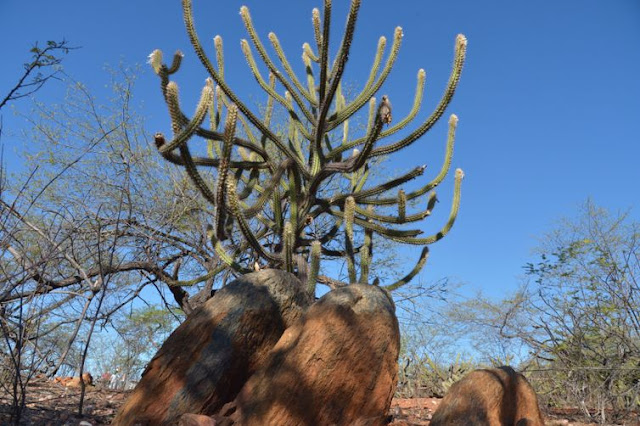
(51, 404)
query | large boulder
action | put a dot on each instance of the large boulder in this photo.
(337, 366)
(490, 397)
(205, 362)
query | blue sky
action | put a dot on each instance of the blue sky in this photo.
(549, 101)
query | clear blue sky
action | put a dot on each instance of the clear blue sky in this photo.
(549, 102)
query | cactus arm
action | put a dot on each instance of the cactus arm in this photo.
(454, 78)
(311, 83)
(294, 195)
(447, 227)
(314, 267)
(294, 117)
(208, 162)
(365, 95)
(248, 234)
(272, 184)
(213, 147)
(176, 62)
(309, 96)
(323, 49)
(268, 111)
(335, 76)
(276, 203)
(362, 180)
(416, 269)
(306, 50)
(209, 134)
(195, 176)
(288, 241)
(315, 150)
(317, 31)
(222, 253)
(198, 280)
(250, 184)
(396, 219)
(366, 253)
(246, 49)
(361, 196)
(182, 135)
(246, 18)
(338, 69)
(350, 165)
(389, 232)
(453, 122)
(417, 102)
(402, 206)
(195, 42)
(217, 42)
(349, 216)
(223, 171)
(178, 118)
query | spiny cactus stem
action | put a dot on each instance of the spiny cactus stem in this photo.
(251, 238)
(317, 32)
(392, 233)
(179, 119)
(174, 107)
(453, 122)
(366, 253)
(215, 162)
(194, 175)
(452, 84)
(336, 72)
(417, 101)
(229, 131)
(395, 219)
(314, 267)
(362, 180)
(175, 63)
(246, 18)
(455, 205)
(217, 42)
(324, 52)
(195, 42)
(287, 67)
(268, 112)
(350, 165)
(416, 269)
(311, 83)
(349, 216)
(288, 238)
(361, 196)
(402, 206)
(268, 189)
(337, 118)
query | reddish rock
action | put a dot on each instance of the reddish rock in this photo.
(338, 365)
(490, 397)
(208, 358)
(196, 420)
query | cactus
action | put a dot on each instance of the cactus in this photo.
(271, 185)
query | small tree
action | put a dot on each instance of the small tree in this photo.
(271, 188)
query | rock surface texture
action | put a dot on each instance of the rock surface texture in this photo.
(337, 366)
(490, 397)
(209, 357)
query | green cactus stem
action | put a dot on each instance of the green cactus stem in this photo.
(285, 192)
